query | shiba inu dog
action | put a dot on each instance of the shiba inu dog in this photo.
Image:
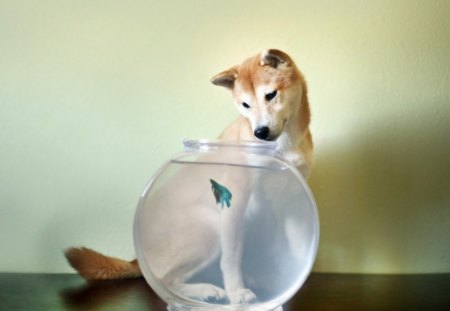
(270, 93)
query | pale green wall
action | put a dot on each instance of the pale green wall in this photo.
(96, 95)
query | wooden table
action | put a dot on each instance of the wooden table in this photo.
(321, 292)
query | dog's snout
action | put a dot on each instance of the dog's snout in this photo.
(262, 132)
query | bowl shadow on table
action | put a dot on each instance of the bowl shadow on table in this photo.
(131, 294)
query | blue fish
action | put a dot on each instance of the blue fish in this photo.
(221, 193)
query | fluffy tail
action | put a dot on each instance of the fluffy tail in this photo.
(92, 265)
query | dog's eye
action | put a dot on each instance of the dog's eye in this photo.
(245, 105)
(271, 95)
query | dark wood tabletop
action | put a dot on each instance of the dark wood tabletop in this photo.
(320, 292)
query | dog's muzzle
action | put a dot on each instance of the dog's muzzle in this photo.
(262, 132)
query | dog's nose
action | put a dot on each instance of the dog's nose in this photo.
(262, 132)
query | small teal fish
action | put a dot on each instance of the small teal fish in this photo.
(222, 194)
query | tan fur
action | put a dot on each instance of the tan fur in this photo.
(291, 123)
(92, 265)
(288, 116)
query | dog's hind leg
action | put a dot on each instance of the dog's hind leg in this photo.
(201, 291)
(178, 277)
(198, 249)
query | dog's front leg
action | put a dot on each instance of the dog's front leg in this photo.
(232, 242)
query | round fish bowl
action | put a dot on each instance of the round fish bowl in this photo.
(226, 226)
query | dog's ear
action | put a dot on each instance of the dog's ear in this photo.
(225, 78)
(275, 58)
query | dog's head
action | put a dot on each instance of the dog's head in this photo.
(268, 90)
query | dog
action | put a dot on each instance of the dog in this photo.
(270, 93)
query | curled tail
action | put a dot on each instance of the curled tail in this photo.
(92, 265)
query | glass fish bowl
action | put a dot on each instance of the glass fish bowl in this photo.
(226, 226)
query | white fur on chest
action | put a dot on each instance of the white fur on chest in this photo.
(293, 154)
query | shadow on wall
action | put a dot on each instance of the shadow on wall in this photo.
(384, 197)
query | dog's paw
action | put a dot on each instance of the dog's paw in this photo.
(210, 291)
(202, 291)
(241, 296)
